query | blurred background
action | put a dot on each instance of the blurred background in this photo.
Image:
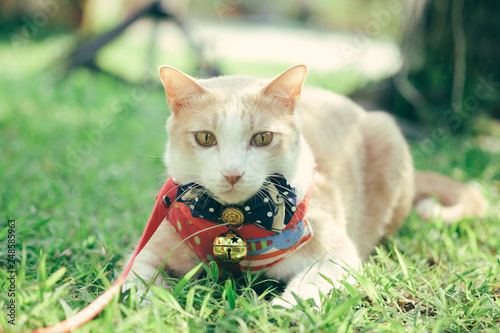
(82, 110)
(426, 61)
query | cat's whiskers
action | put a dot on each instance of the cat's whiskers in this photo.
(288, 209)
(172, 189)
(193, 177)
(148, 155)
(207, 192)
(161, 179)
(203, 191)
(262, 195)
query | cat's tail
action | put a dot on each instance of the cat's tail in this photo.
(439, 196)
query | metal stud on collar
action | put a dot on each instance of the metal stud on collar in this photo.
(166, 201)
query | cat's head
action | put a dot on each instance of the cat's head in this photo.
(230, 133)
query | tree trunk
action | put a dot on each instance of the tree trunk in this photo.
(451, 72)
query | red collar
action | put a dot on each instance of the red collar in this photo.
(199, 234)
(248, 231)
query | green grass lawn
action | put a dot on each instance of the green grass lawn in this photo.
(80, 165)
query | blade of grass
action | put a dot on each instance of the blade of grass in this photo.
(230, 295)
(185, 279)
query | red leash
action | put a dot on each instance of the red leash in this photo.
(160, 210)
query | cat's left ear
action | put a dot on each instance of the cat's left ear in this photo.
(179, 87)
(286, 88)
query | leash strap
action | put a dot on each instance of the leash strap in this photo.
(159, 213)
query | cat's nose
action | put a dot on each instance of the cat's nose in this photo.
(232, 179)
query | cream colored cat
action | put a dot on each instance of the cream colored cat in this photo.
(355, 163)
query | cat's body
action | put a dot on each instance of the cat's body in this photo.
(356, 164)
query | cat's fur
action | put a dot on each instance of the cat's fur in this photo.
(356, 163)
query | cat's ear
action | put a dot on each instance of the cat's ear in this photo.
(287, 87)
(179, 87)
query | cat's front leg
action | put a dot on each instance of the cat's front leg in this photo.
(148, 262)
(316, 280)
(306, 270)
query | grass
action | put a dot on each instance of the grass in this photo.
(81, 164)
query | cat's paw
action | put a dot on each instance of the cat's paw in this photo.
(143, 292)
(310, 292)
(313, 284)
(282, 302)
(140, 292)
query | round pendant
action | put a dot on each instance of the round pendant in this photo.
(233, 216)
(230, 248)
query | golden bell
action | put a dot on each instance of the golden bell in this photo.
(230, 248)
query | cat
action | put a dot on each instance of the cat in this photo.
(230, 134)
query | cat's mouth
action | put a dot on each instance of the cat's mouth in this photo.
(233, 196)
(236, 195)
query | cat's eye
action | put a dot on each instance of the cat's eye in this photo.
(262, 139)
(206, 139)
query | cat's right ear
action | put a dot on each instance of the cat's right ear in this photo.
(287, 86)
(179, 87)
